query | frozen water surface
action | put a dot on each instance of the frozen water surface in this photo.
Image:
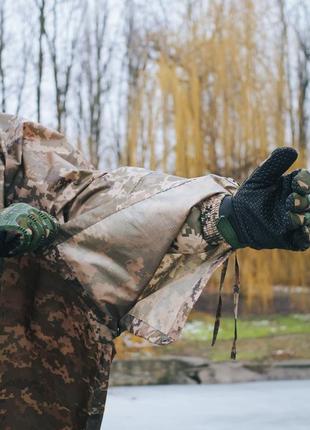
(276, 405)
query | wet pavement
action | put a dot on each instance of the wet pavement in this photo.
(275, 405)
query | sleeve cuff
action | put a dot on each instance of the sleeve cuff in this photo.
(209, 216)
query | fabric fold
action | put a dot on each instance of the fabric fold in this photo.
(113, 267)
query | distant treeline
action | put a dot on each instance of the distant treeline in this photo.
(187, 87)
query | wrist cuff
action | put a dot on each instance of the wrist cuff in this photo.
(226, 224)
(210, 209)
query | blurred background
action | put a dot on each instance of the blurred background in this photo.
(186, 87)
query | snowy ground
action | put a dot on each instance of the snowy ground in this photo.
(252, 406)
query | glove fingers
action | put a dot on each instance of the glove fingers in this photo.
(301, 182)
(50, 226)
(301, 238)
(297, 203)
(274, 166)
(38, 232)
(295, 220)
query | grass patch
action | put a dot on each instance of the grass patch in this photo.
(200, 327)
(267, 338)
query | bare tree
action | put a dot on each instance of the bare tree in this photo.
(63, 55)
(287, 65)
(136, 56)
(303, 36)
(2, 56)
(21, 82)
(41, 7)
(97, 50)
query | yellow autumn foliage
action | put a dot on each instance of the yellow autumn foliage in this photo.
(214, 99)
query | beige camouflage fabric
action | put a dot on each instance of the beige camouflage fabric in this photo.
(130, 255)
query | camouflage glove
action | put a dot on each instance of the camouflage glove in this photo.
(25, 229)
(269, 210)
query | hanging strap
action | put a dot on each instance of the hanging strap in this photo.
(236, 292)
(219, 306)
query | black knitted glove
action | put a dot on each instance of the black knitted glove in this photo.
(269, 210)
(24, 228)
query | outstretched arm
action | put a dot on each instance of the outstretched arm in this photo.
(269, 210)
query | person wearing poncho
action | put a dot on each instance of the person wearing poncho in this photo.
(134, 250)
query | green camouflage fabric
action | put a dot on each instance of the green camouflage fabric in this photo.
(25, 229)
(129, 256)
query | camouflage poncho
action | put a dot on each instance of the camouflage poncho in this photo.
(130, 255)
